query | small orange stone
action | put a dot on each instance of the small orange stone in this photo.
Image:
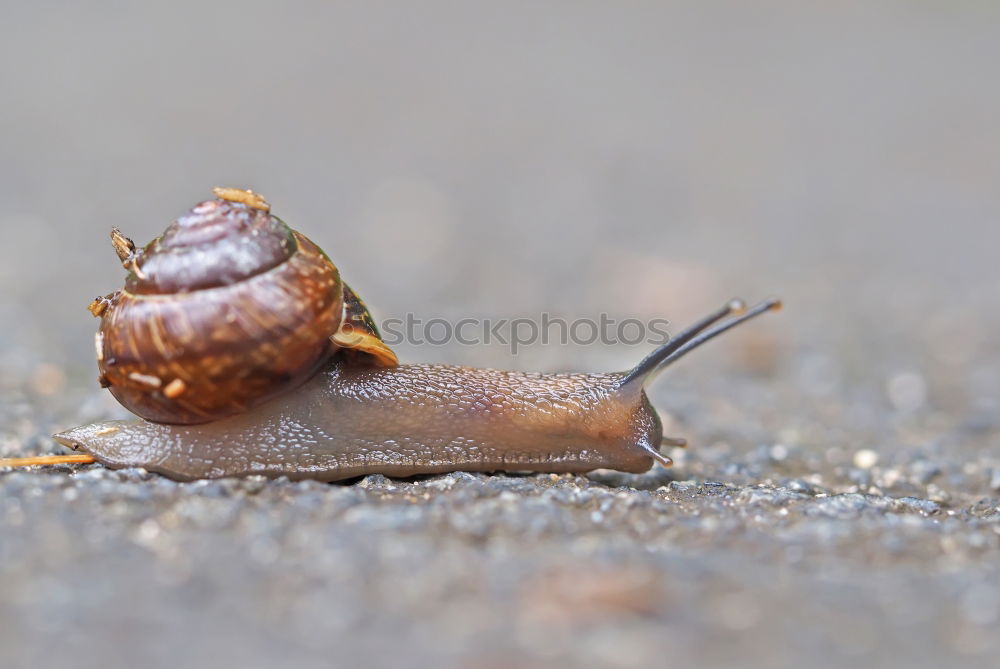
(247, 197)
(175, 389)
(98, 307)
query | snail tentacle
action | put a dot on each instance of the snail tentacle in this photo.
(694, 336)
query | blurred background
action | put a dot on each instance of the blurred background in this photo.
(640, 159)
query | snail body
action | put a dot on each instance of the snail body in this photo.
(351, 420)
(311, 391)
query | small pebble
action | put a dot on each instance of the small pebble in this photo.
(865, 458)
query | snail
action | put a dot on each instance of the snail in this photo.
(241, 350)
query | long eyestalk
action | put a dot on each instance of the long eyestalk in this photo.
(695, 336)
(651, 361)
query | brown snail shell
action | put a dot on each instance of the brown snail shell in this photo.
(228, 308)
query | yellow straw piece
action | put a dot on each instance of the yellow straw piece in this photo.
(78, 459)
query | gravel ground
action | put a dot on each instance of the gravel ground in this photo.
(840, 502)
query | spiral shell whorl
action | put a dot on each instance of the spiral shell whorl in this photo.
(228, 308)
(216, 244)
